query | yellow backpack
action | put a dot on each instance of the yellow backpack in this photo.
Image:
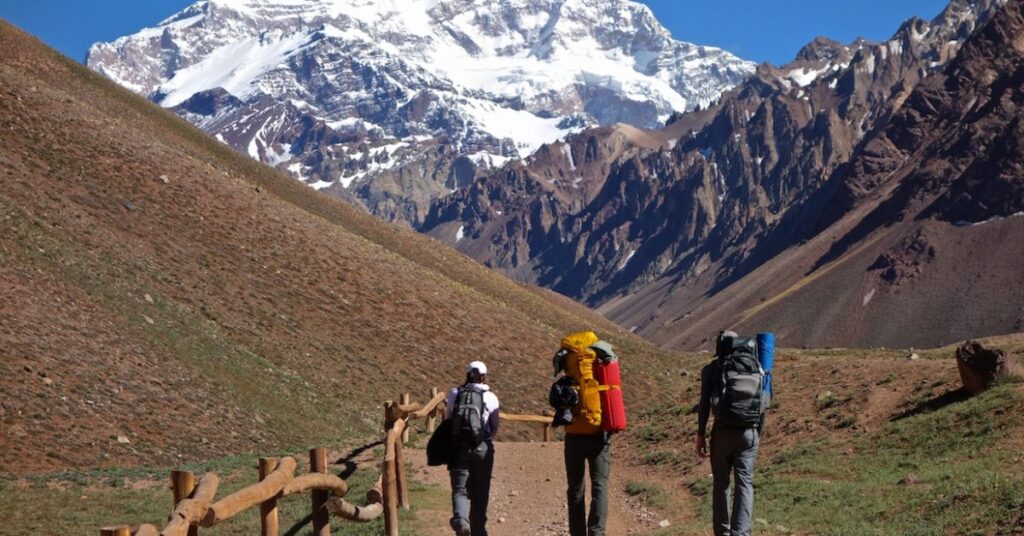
(579, 365)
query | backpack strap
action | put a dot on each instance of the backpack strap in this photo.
(469, 387)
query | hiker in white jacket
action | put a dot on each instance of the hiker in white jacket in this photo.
(473, 461)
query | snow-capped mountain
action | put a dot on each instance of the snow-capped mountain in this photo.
(663, 229)
(395, 102)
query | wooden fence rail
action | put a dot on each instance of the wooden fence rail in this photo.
(194, 505)
(543, 420)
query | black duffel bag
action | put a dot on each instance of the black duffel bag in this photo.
(439, 448)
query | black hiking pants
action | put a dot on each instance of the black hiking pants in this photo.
(580, 451)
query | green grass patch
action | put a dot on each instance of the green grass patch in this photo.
(661, 457)
(650, 494)
(651, 433)
(82, 502)
(933, 473)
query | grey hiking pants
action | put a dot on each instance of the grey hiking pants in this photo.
(595, 451)
(733, 450)
(471, 486)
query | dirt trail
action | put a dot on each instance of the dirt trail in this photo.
(528, 492)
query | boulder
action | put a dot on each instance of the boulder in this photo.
(979, 366)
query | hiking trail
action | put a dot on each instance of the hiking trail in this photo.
(528, 493)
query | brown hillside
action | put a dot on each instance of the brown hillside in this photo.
(164, 297)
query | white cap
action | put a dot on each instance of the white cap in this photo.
(478, 366)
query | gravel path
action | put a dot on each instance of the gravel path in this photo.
(528, 494)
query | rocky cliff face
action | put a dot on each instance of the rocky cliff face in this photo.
(709, 194)
(784, 157)
(953, 152)
(392, 104)
(919, 231)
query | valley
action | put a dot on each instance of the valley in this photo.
(171, 299)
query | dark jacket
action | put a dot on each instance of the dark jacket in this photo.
(439, 448)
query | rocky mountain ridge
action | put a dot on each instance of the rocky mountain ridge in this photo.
(781, 159)
(392, 104)
(917, 233)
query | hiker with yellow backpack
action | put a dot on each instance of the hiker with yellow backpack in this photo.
(588, 400)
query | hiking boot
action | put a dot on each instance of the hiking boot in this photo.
(460, 526)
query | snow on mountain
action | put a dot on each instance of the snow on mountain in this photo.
(320, 83)
(802, 157)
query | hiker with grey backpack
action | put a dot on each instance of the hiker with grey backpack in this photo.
(736, 389)
(472, 416)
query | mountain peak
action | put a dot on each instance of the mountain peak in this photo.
(340, 92)
(821, 49)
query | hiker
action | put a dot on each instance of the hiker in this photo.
(473, 411)
(592, 368)
(733, 387)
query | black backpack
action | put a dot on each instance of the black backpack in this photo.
(564, 397)
(741, 399)
(468, 418)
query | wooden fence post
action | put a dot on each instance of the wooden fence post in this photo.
(390, 499)
(406, 400)
(389, 416)
(183, 483)
(321, 517)
(401, 477)
(432, 418)
(116, 531)
(270, 521)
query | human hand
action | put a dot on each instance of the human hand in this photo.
(702, 448)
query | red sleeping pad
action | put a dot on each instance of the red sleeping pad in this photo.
(613, 407)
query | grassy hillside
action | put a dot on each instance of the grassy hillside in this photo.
(166, 298)
(859, 442)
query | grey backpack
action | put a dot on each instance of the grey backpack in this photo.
(468, 418)
(741, 399)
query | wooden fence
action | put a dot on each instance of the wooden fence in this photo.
(195, 506)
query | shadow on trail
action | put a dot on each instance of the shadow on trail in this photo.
(937, 403)
(350, 467)
(349, 460)
(301, 524)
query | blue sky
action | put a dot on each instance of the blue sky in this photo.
(774, 30)
(760, 30)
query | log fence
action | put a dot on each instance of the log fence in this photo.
(195, 508)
